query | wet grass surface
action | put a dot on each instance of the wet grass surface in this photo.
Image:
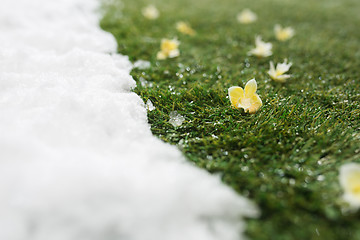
(286, 156)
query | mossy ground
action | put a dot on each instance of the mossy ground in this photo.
(285, 157)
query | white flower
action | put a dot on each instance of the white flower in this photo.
(168, 49)
(246, 16)
(262, 49)
(350, 182)
(246, 99)
(150, 12)
(277, 74)
(283, 34)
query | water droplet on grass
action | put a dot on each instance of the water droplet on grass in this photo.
(292, 181)
(245, 168)
(279, 172)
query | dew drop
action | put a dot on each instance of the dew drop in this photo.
(245, 168)
(292, 181)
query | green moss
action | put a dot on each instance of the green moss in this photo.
(286, 156)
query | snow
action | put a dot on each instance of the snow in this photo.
(149, 105)
(176, 119)
(77, 157)
(142, 64)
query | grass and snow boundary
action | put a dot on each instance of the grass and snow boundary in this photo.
(77, 159)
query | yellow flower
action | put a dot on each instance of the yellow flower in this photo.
(150, 12)
(262, 49)
(169, 49)
(283, 34)
(246, 16)
(185, 28)
(248, 99)
(277, 74)
(350, 182)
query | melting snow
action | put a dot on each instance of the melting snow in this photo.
(149, 105)
(176, 119)
(141, 64)
(77, 158)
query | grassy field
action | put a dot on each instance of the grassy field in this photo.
(286, 156)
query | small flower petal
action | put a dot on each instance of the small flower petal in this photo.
(235, 95)
(250, 88)
(282, 78)
(272, 67)
(283, 67)
(256, 103)
(161, 55)
(174, 53)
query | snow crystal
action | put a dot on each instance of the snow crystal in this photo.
(176, 119)
(141, 64)
(77, 157)
(149, 105)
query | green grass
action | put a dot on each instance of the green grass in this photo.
(286, 156)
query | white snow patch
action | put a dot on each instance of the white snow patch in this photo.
(77, 158)
(142, 64)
